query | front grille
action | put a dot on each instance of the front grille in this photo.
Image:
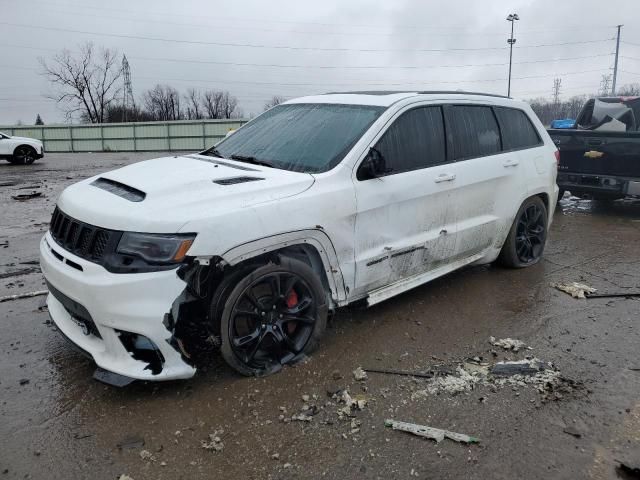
(84, 240)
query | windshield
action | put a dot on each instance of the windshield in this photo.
(301, 137)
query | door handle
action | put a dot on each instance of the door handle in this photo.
(445, 177)
(510, 163)
(595, 142)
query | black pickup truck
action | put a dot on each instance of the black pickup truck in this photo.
(600, 156)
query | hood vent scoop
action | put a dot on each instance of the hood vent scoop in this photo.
(120, 189)
(234, 180)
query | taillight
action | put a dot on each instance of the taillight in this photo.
(557, 154)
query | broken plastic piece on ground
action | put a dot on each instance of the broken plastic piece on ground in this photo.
(613, 295)
(359, 374)
(405, 373)
(26, 196)
(18, 296)
(111, 378)
(507, 343)
(520, 367)
(575, 289)
(429, 432)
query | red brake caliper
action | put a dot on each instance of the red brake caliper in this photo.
(292, 301)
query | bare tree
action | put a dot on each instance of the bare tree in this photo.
(219, 104)
(630, 90)
(194, 100)
(275, 100)
(87, 83)
(162, 102)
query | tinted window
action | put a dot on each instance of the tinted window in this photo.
(472, 131)
(302, 137)
(415, 140)
(517, 131)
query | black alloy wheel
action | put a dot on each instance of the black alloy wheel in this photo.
(24, 156)
(272, 316)
(531, 233)
(527, 237)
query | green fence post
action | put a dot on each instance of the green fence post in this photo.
(135, 143)
(71, 137)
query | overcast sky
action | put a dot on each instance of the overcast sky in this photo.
(294, 48)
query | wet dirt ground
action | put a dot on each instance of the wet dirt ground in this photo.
(57, 422)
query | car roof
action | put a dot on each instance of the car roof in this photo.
(386, 98)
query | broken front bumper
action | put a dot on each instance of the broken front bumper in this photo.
(114, 317)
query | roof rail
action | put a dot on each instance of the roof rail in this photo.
(423, 92)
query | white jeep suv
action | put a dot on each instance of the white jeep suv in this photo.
(317, 203)
(20, 150)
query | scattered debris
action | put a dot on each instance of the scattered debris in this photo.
(572, 431)
(350, 404)
(359, 374)
(18, 273)
(519, 367)
(613, 295)
(26, 196)
(275, 456)
(429, 432)
(24, 381)
(507, 343)
(215, 442)
(8, 184)
(575, 289)
(305, 398)
(23, 295)
(461, 381)
(147, 455)
(125, 477)
(405, 373)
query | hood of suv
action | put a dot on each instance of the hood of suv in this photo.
(163, 194)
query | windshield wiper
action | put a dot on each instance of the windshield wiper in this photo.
(253, 160)
(213, 152)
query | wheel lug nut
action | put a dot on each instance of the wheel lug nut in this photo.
(263, 314)
(280, 316)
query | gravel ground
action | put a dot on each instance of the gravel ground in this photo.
(56, 422)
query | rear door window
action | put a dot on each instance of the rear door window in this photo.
(517, 130)
(472, 131)
(415, 140)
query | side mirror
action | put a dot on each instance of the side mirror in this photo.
(373, 166)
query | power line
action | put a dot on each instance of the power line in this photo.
(304, 32)
(287, 47)
(563, 28)
(526, 62)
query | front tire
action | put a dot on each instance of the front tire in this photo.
(528, 235)
(273, 316)
(23, 155)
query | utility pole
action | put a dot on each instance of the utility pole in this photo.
(511, 18)
(557, 82)
(127, 96)
(615, 66)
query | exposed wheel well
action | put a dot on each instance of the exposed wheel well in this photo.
(304, 252)
(545, 199)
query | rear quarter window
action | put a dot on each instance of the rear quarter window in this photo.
(517, 130)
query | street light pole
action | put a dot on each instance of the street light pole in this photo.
(511, 18)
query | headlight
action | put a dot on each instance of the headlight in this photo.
(156, 248)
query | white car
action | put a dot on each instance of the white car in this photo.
(318, 203)
(20, 150)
